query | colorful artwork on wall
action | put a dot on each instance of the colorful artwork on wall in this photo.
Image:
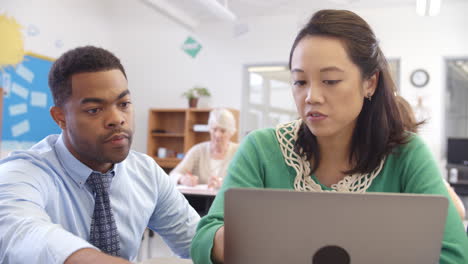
(27, 100)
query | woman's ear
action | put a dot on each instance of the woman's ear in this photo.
(371, 84)
(58, 116)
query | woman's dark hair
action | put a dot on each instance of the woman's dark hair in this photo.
(379, 128)
(79, 60)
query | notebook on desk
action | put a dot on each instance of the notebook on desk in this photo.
(281, 226)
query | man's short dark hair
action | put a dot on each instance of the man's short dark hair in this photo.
(79, 60)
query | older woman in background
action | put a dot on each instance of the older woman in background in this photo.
(207, 162)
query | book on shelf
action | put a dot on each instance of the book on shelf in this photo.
(200, 128)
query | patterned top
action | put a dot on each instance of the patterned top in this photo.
(286, 135)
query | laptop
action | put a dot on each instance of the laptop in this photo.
(283, 226)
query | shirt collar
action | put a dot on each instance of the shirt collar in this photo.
(78, 171)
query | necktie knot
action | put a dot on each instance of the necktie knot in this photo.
(99, 183)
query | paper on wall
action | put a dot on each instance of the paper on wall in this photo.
(18, 109)
(25, 73)
(19, 90)
(20, 128)
(39, 99)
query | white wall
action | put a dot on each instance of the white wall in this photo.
(75, 23)
(148, 44)
(71, 23)
(158, 70)
(424, 42)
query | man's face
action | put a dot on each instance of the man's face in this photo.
(98, 119)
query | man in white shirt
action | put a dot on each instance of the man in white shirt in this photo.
(83, 196)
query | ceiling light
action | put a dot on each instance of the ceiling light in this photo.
(421, 7)
(173, 13)
(428, 7)
(434, 7)
(221, 11)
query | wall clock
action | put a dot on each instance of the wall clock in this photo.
(419, 78)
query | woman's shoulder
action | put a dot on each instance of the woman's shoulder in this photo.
(414, 150)
(199, 148)
(233, 146)
(264, 134)
(282, 133)
(201, 145)
(414, 142)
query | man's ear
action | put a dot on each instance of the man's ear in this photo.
(371, 84)
(59, 116)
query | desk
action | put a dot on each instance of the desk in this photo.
(199, 197)
(173, 260)
(201, 189)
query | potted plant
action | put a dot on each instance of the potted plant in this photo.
(194, 93)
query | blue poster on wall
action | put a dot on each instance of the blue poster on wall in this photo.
(27, 100)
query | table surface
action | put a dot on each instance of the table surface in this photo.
(201, 189)
(169, 260)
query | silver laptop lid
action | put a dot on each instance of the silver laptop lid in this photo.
(283, 226)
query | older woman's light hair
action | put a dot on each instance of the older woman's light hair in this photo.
(223, 118)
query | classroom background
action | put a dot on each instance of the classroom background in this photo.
(169, 47)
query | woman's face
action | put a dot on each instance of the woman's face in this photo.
(219, 136)
(327, 86)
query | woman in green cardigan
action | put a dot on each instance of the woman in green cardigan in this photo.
(349, 138)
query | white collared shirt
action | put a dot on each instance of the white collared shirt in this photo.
(46, 207)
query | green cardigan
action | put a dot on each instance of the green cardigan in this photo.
(259, 163)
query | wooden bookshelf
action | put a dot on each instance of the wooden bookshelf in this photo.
(172, 128)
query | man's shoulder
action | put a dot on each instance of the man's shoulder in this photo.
(197, 149)
(138, 160)
(143, 169)
(33, 165)
(134, 155)
(41, 153)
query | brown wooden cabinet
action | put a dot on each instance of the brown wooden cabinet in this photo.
(173, 129)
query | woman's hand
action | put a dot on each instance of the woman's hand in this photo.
(188, 179)
(214, 182)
